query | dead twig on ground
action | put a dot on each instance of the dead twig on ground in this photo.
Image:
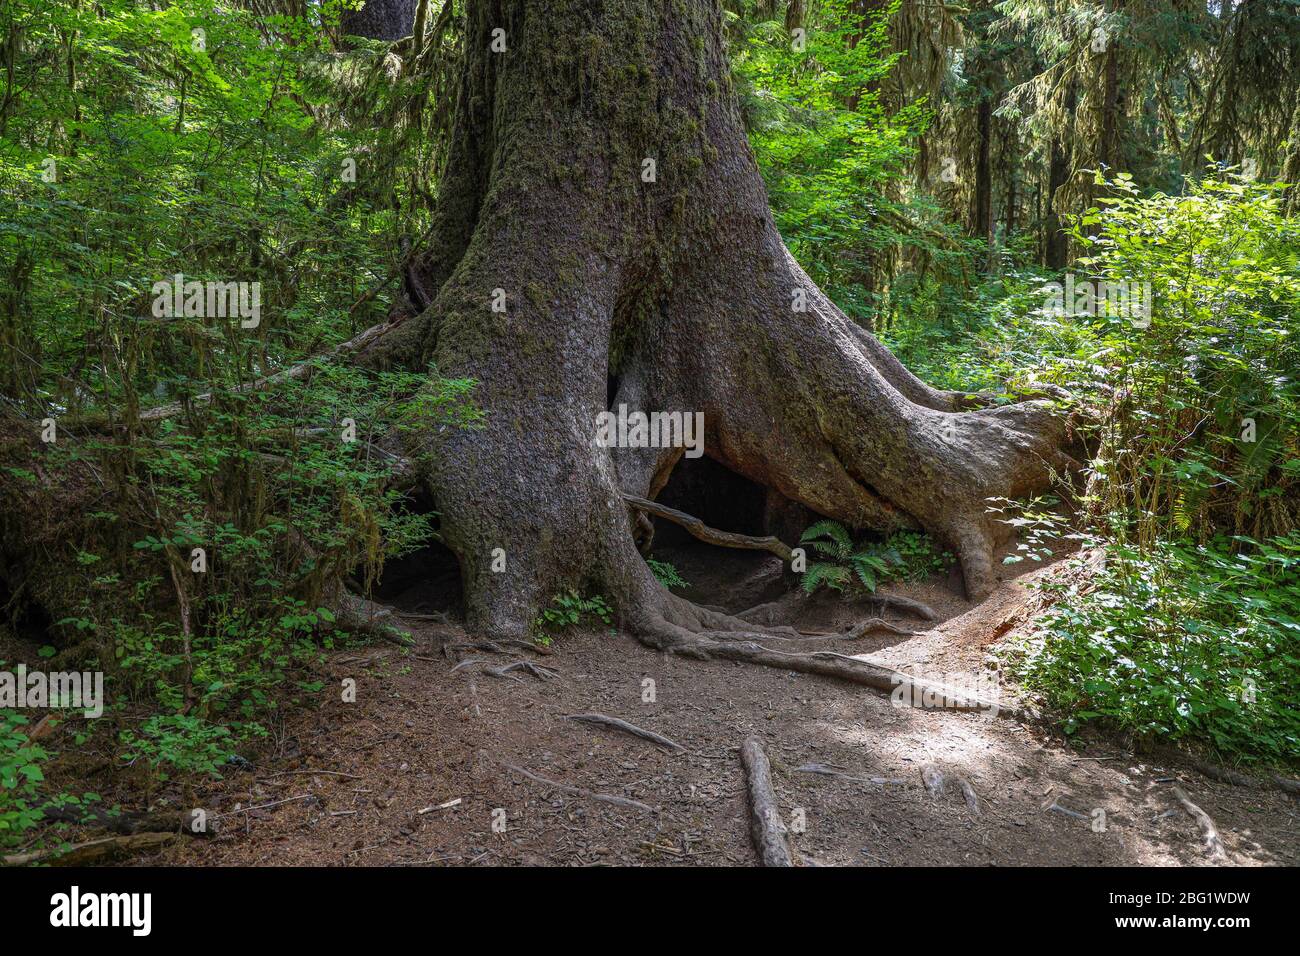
(627, 728)
(580, 792)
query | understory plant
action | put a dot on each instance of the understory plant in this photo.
(1178, 641)
(570, 610)
(666, 573)
(846, 566)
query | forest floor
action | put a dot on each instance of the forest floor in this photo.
(417, 769)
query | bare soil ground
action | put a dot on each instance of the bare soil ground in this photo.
(417, 769)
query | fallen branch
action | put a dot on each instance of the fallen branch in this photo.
(356, 613)
(764, 813)
(624, 726)
(579, 792)
(437, 616)
(442, 806)
(1209, 832)
(723, 539)
(327, 773)
(126, 824)
(267, 806)
(353, 344)
(172, 409)
(1055, 805)
(92, 851)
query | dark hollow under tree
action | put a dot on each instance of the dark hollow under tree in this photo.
(681, 292)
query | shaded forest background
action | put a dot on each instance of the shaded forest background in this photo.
(932, 165)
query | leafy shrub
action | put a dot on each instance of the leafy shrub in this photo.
(569, 610)
(1178, 642)
(20, 779)
(178, 742)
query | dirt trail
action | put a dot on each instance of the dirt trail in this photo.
(422, 763)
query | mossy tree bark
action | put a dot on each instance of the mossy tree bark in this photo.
(678, 289)
(380, 19)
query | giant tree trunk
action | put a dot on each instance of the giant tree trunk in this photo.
(681, 293)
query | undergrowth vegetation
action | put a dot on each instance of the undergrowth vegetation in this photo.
(1192, 416)
(1171, 337)
(193, 142)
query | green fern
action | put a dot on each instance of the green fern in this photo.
(667, 574)
(839, 543)
(903, 555)
(832, 575)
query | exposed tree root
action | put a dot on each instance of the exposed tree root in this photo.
(852, 670)
(627, 728)
(879, 624)
(505, 672)
(1239, 779)
(703, 532)
(494, 647)
(762, 614)
(765, 824)
(936, 784)
(1214, 848)
(858, 631)
(827, 771)
(580, 792)
(900, 603)
(667, 623)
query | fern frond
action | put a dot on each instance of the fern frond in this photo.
(840, 541)
(832, 575)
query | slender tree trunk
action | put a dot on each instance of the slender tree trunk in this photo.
(982, 200)
(1057, 243)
